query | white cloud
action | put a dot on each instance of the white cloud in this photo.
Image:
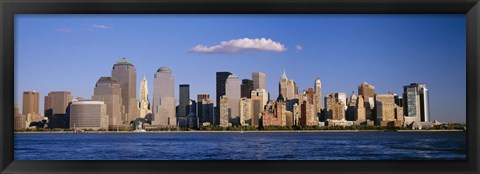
(240, 45)
(101, 26)
(298, 48)
(64, 30)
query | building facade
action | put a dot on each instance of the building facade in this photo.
(232, 92)
(415, 103)
(125, 74)
(385, 107)
(200, 98)
(31, 103)
(108, 91)
(163, 110)
(144, 102)
(88, 115)
(224, 112)
(245, 111)
(207, 111)
(56, 102)
(221, 79)
(317, 102)
(246, 88)
(184, 100)
(259, 79)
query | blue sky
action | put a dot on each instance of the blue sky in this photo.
(70, 52)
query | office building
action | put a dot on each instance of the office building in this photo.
(163, 110)
(424, 103)
(31, 103)
(368, 92)
(287, 87)
(385, 107)
(246, 88)
(415, 103)
(245, 111)
(351, 107)
(200, 98)
(259, 100)
(184, 100)
(56, 102)
(307, 115)
(144, 103)
(275, 113)
(338, 110)
(224, 112)
(108, 91)
(259, 79)
(221, 79)
(360, 115)
(207, 111)
(88, 114)
(125, 74)
(318, 96)
(341, 96)
(232, 92)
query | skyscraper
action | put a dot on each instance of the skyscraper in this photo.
(207, 111)
(360, 116)
(163, 98)
(224, 111)
(144, 103)
(245, 111)
(56, 102)
(108, 91)
(286, 87)
(220, 85)
(246, 88)
(258, 80)
(31, 103)
(259, 100)
(318, 96)
(424, 103)
(232, 92)
(367, 91)
(385, 107)
(275, 113)
(184, 100)
(415, 103)
(351, 107)
(341, 96)
(56, 107)
(307, 118)
(126, 75)
(200, 98)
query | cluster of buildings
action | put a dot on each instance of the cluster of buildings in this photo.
(245, 102)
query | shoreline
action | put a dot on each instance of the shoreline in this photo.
(266, 131)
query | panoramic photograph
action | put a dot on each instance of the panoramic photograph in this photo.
(240, 87)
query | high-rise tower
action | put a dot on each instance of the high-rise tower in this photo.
(126, 75)
(258, 80)
(144, 103)
(318, 96)
(232, 92)
(163, 98)
(109, 91)
(31, 103)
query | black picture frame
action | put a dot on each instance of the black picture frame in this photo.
(9, 8)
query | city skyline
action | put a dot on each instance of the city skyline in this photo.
(294, 56)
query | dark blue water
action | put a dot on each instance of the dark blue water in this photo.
(243, 146)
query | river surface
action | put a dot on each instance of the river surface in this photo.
(243, 146)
